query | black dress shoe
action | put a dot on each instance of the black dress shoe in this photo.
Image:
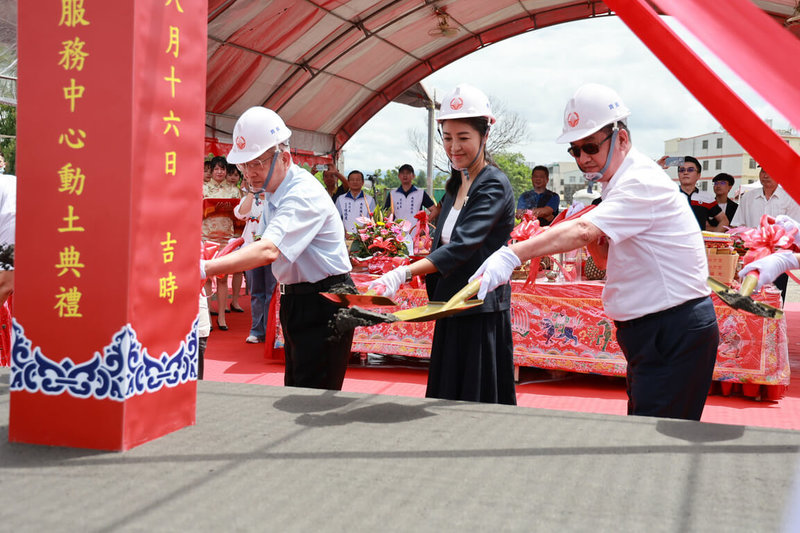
(237, 309)
(221, 327)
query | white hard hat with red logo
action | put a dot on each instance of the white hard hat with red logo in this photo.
(256, 131)
(465, 101)
(591, 108)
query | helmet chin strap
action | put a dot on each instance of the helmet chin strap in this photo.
(594, 177)
(269, 177)
(465, 171)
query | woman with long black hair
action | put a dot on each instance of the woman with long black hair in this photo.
(472, 352)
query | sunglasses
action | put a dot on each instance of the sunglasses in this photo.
(686, 169)
(589, 148)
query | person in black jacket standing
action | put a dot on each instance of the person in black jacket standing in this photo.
(472, 352)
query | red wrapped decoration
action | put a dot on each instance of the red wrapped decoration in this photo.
(422, 238)
(766, 239)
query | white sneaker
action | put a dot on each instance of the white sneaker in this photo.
(252, 339)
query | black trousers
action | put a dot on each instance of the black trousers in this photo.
(671, 356)
(313, 359)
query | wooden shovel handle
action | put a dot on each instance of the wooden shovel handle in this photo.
(749, 283)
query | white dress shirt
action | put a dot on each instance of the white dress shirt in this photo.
(753, 204)
(656, 256)
(300, 219)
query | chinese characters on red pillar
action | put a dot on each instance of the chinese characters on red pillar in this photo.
(71, 58)
(166, 283)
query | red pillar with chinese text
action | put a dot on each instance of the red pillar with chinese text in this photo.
(110, 125)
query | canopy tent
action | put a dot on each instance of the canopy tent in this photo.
(327, 66)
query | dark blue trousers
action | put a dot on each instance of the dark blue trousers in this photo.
(671, 356)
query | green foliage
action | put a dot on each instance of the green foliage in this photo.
(514, 166)
(421, 181)
(8, 146)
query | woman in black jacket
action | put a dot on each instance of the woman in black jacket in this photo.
(472, 352)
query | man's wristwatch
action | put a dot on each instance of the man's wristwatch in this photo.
(408, 275)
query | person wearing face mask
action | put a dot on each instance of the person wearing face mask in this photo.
(472, 352)
(302, 237)
(644, 234)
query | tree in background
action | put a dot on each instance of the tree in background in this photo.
(514, 166)
(8, 141)
(8, 84)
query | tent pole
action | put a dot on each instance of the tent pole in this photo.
(431, 131)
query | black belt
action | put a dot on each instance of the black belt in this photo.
(622, 324)
(310, 288)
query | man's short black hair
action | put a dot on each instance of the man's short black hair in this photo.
(541, 167)
(723, 176)
(405, 168)
(690, 159)
(356, 172)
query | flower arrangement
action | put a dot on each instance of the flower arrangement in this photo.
(380, 236)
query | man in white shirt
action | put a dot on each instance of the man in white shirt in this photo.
(8, 217)
(656, 291)
(406, 201)
(303, 239)
(354, 204)
(771, 199)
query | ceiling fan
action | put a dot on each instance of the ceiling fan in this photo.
(443, 29)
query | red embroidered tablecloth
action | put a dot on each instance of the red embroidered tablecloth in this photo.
(563, 327)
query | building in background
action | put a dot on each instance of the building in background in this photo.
(719, 152)
(566, 179)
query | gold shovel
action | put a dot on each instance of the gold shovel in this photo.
(368, 298)
(436, 310)
(741, 300)
(347, 319)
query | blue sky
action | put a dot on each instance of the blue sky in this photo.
(535, 74)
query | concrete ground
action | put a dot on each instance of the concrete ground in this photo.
(283, 459)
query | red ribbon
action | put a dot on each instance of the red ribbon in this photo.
(530, 227)
(766, 239)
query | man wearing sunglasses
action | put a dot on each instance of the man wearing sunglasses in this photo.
(703, 204)
(644, 234)
(302, 237)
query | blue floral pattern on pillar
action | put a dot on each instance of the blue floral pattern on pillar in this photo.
(124, 370)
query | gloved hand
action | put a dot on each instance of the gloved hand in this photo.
(496, 270)
(388, 284)
(574, 208)
(788, 224)
(770, 267)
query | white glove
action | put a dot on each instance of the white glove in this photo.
(390, 282)
(203, 269)
(770, 267)
(496, 270)
(789, 223)
(574, 208)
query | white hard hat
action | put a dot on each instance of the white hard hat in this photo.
(256, 131)
(592, 107)
(465, 101)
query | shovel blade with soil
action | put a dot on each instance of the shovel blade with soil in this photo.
(742, 300)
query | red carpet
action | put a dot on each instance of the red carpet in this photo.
(228, 358)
